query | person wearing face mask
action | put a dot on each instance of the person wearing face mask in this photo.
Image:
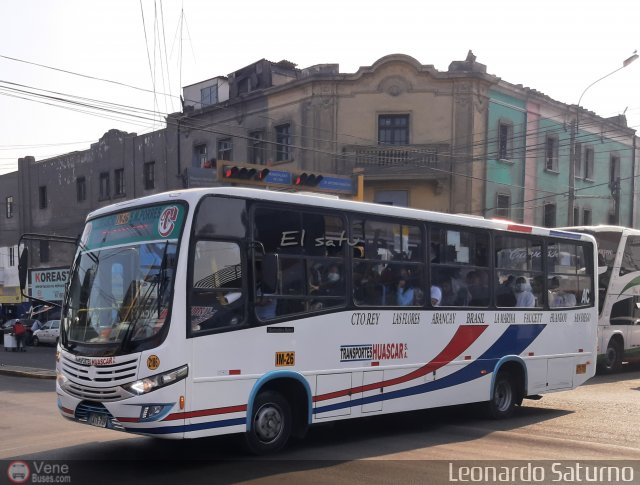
(524, 297)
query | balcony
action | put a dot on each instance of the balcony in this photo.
(423, 161)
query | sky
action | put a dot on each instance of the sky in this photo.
(70, 70)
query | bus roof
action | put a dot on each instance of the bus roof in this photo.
(602, 228)
(192, 196)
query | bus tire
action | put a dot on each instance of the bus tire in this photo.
(613, 357)
(503, 399)
(270, 424)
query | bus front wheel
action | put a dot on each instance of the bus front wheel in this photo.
(270, 423)
(503, 399)
(613, 357)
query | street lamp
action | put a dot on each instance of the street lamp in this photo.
(574, 143)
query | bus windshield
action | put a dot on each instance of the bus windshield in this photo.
(122, 278)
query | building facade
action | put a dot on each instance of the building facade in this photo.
(460, 141)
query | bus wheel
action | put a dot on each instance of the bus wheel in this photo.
(270, 423)
(503, 399)
(612, 357)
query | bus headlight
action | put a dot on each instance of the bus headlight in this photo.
(152, 383)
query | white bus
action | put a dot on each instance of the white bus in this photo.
(619, 294)
(229, 310)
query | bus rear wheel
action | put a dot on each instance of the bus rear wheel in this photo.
(503, 399)
(270, 424)
(612, 357)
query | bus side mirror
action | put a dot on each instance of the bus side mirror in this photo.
(269, 273)
(23, 267)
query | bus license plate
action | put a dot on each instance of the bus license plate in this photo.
(99, 420)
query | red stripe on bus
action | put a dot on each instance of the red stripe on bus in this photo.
(463, 338)
(206, 412)
(519, 228)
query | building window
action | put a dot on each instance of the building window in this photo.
(209, 96)
(586, 217)
(256, 148)
(104, 186)
(42, 197)
(505, 141)
(225, 149)
(577, 165)
(614, 169)
(398, 198)
(393, 129)
(44, 251)
(503, 206)
(551, 153)
(9, 202)
(81, 189)
(199, 156)
(549, 215)
(12, 256)
(118, 189)
(588, 163)
(149, 175)
(283, 143)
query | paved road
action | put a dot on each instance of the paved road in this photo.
(597, 421)
(43, 357)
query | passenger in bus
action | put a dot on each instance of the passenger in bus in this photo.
(524, 297)
(451, 296)
(537, 288)
(404, 291)
(479, 292)
(436, 296)
(558, 297)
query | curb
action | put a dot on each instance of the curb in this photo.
(27, 372)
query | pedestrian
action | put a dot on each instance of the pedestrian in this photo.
(20, 332)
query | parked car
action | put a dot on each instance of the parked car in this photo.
(48, 334)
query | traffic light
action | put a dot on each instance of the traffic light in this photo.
(244, 173)
(307, 180)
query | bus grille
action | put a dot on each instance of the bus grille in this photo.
(97, 383)
(85, 408)
(98, 393)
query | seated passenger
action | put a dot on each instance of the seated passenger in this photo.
(451, 296)
(404, 290)
(558, 297)
(524, 296)
(436, 296)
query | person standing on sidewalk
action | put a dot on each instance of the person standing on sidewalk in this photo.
(20, 332)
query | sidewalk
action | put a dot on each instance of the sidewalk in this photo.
(38, 362)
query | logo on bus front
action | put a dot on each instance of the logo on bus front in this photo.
(167, 221)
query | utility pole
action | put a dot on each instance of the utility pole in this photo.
(574, 140)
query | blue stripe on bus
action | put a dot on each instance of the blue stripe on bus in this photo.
(515, 339)
(570, 235)
(190, 427)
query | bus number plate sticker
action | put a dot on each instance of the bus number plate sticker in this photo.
(285, 359)
(99, 420)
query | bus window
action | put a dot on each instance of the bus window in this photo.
(570, 273)
(520, 281)
(216, 298)
(391, 272)
(459, 266)
(310, 249)
(631, 257)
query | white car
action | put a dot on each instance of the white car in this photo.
(48, 334)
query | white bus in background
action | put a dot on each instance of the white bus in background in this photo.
(619, 294)
(231, 310)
